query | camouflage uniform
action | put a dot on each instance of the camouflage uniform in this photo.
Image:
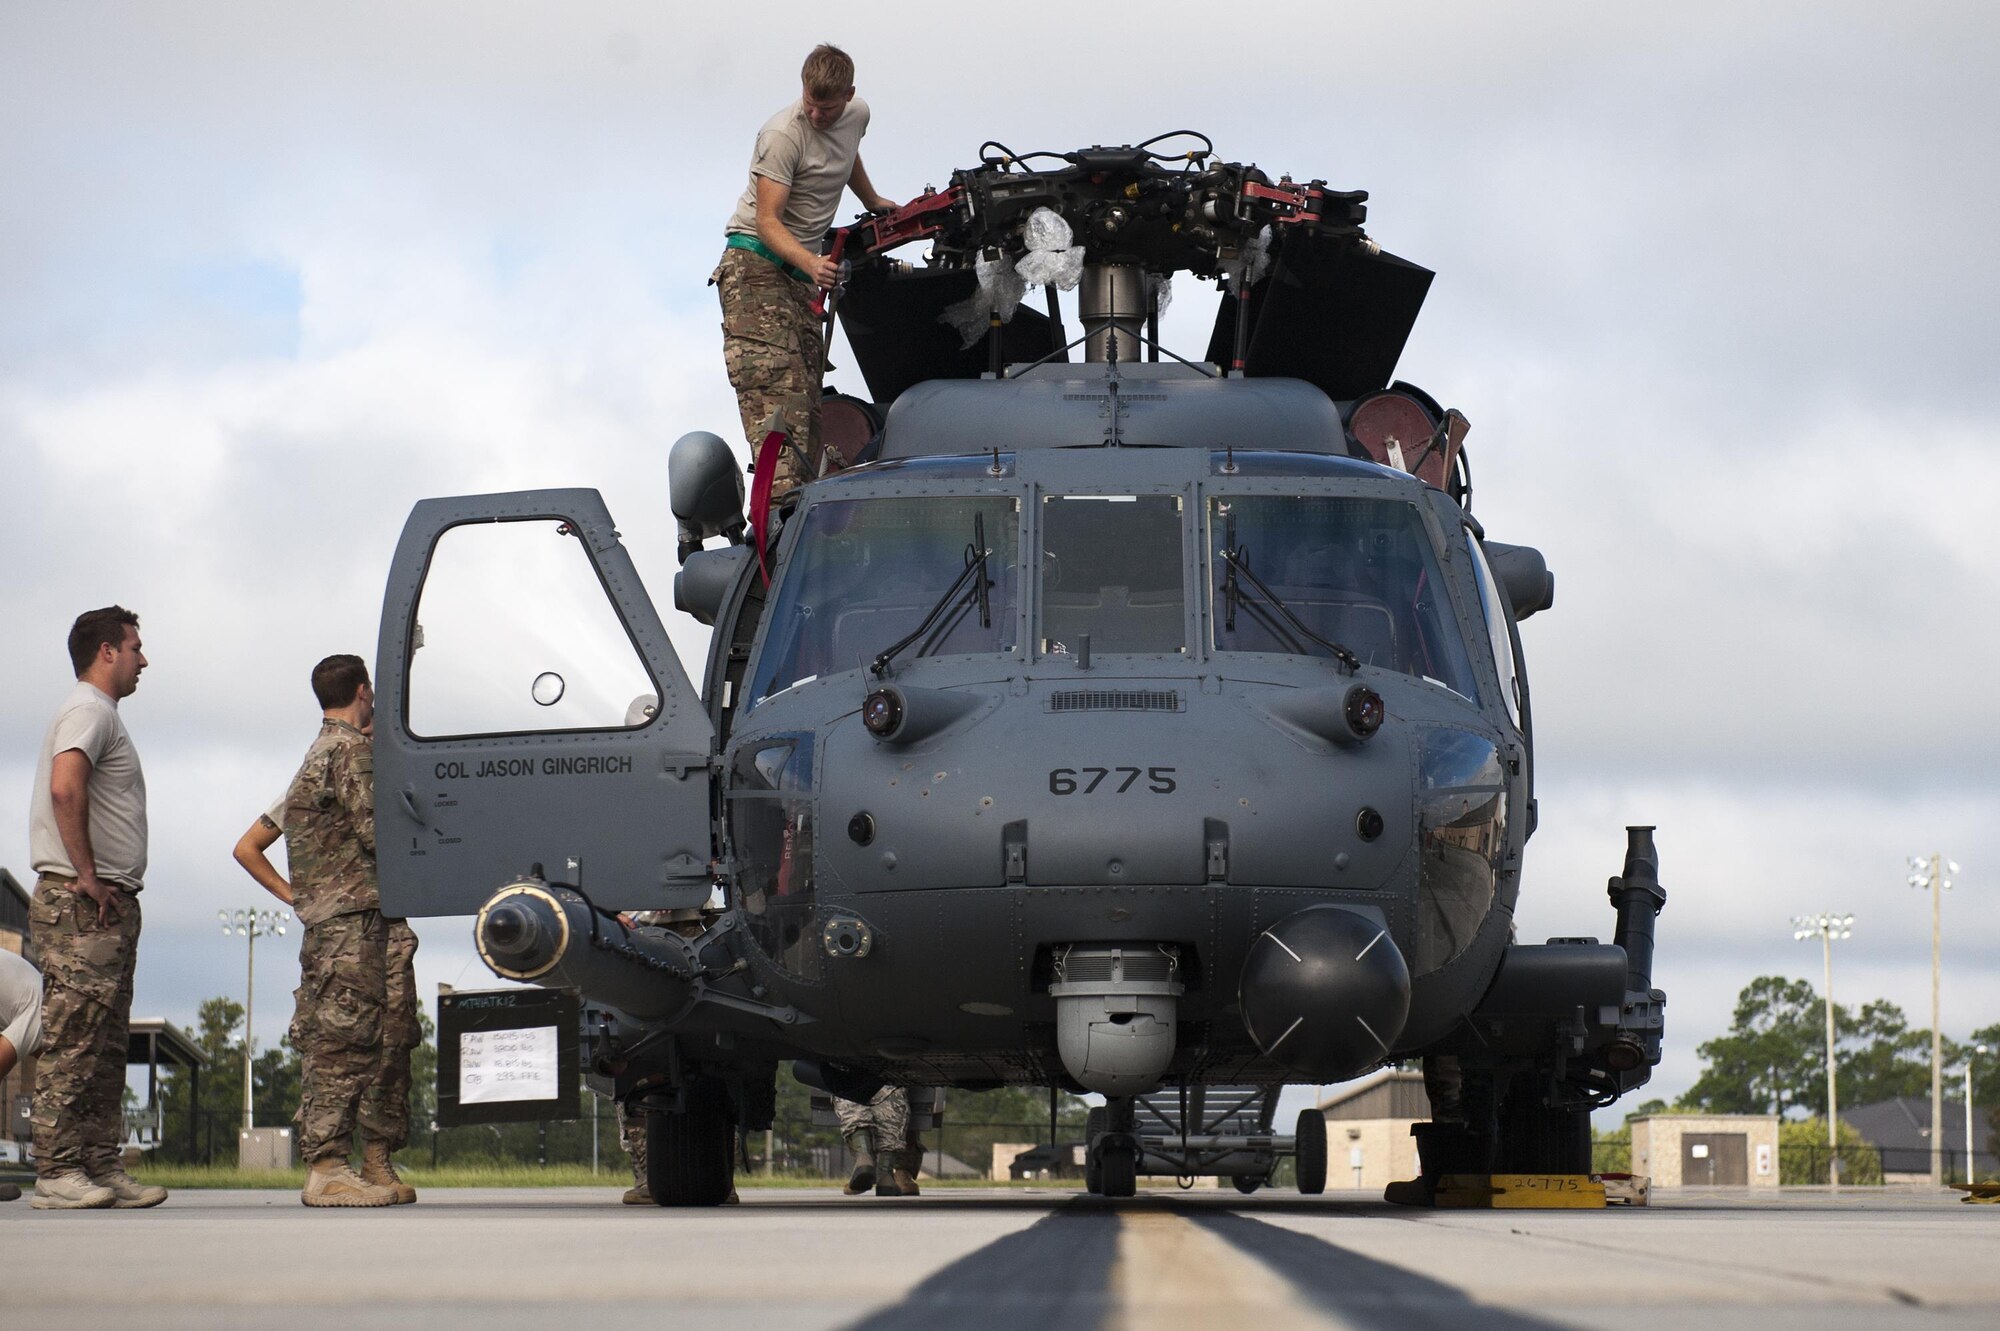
(355, 1019)
(632, 1135)
(773, 348)
(78, 1114)
(385, 1110)
(886, 1116)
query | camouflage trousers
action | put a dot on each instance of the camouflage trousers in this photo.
(886, 1121)
(773, 348)
(354, 1024)
(632, 1136)
(79, 1115)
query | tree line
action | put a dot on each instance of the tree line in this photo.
(1772, 1059)
(201, 1114)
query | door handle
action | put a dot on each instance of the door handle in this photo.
(409, 795)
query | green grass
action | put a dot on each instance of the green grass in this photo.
(479, 1176)
(448, 1176)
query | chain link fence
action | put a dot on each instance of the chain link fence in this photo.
(795, 1147)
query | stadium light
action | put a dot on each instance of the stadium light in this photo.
(1826, 928)
(251, 925)
(1929, 871)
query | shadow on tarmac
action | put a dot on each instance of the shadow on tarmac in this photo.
(1056, 1274)
(1360, 1291)
(1052, 1276)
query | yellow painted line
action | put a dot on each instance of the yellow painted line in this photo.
(1171, 1272)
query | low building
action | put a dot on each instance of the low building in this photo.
(1368, 1141)
(1901, 1130)
(1706, 1150)
(1040, 1160)
(1004, 1156)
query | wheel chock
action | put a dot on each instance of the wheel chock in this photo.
(1522, 1192)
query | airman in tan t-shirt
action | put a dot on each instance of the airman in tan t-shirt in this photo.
(772, 343)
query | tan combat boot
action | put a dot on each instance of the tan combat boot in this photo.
(379, 1169)
(906, 1182)
(130, 1193)
(331, 1183)
(71, 1190)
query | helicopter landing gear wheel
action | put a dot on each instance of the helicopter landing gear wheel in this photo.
(690, 1156)
(1093, 1169)
(1310, 1152)
(1249, 1183)
(1118, 1170)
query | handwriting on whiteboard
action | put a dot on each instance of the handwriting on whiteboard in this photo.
(495, 1066)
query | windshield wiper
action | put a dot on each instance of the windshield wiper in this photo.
(1237, 562)
(975, 568)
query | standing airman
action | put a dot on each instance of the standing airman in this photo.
(806, 156)
(356, 1016)
(87, 837)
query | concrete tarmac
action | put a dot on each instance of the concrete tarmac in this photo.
(1051, 1261)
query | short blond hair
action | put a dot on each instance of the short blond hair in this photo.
(828, 71)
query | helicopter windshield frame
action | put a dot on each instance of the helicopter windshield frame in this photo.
(1107, 574)
(860, 571)
(1359, 567)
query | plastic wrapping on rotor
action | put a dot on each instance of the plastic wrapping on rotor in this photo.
(1250, 264)
(1051, 259)
(999, 293)
(1160, 291)
(1045, 229)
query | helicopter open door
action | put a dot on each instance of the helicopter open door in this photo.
(531, 711)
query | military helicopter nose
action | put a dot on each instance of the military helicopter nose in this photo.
(1120, 783)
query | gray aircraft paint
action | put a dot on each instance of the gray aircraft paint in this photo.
(933, 884)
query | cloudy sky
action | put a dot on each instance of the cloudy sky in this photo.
(1716, 289)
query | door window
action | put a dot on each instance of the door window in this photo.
(1462, 841)
(1496, 628)
(771, 827)
(515, 634)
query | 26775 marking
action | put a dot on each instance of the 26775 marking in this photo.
(1087, 780)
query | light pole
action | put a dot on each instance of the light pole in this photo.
(251, 925)
(1971, 1151)
(1826, 928)
(1930, 872)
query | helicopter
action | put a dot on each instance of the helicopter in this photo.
(1134, 725)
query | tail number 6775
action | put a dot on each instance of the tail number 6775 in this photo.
(1113, 780)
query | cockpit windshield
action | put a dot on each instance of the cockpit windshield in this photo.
(865, 573)
(1354, 573)
(1111, 572)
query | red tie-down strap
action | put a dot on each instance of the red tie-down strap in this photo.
(820, 294)
(760, 492)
